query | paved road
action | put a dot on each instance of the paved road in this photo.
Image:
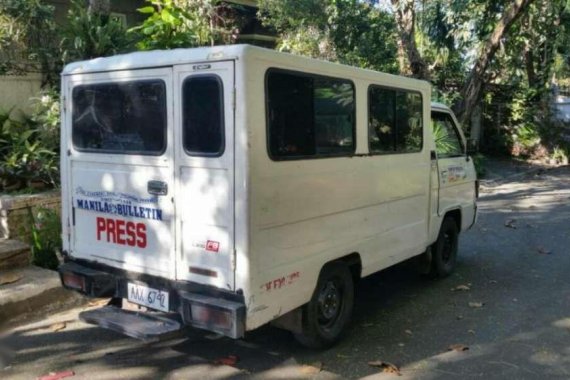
(515, 262)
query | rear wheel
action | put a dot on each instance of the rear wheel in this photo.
(330, 308)
(444, 250)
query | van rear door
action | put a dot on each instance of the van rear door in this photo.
(204, 172)
(120, 169)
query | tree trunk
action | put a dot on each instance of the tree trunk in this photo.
(405, 18)
(402, 62)
(529, 63)
(471, 92)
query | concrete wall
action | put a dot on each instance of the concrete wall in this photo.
(16, 91)
(15, 219)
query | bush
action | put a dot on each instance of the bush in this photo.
(89, 35)
(29, 148)
(186, 23)
(479, 161)
(46, 238)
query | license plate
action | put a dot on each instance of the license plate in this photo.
(149, 297)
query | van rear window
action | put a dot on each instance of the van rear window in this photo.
(120, 117)
(203, 116)
(309, 116)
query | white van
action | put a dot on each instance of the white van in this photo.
(233, 186)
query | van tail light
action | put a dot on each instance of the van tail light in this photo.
(73, 281)
(214, 318)
(92, 282)
(213, 313)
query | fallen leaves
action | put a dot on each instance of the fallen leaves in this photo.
(230, 360)
(311, 369)
(543, 251)
(409, 332)
(461, 288)
(9, 278)
(510, 223)
(58, 326)
(386, 367)
(476, 305)
(56, 375)
(99, 302)
(458, 347)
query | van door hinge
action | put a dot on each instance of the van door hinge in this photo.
(234, 260)
(234, 98)
(64, 101)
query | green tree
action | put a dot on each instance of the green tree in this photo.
(346, 31)
(472, 90)
(28, 40)
(186, 23)
(88, 33)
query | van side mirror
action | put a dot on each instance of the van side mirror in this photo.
(472, 147)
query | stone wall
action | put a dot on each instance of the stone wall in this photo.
(17, 91)
(16, 211)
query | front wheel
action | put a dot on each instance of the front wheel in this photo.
(444, 250)
(330, 308)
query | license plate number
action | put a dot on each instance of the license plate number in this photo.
(149, 297)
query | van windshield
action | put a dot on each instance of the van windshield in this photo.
(124, 117)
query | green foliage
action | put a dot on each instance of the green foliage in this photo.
(46, 118)
(479, 161)
(345, 31)
(185, 23)
(89, 35)
(28, 40)
(29, 148)
(46, 238)
(444, 142)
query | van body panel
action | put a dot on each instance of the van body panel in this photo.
(309, 212)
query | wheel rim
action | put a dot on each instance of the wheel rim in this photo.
(329, 303)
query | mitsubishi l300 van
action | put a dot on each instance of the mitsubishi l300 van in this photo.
(228, 187)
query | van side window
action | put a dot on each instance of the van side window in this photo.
(447, 138)
(309, 116)
(395, 120)
(121, 117)
(203, 116)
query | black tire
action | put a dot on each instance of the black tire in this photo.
(330, 308)
(444, 250)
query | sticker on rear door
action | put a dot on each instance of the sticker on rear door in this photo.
(115, 230)
(118, 203)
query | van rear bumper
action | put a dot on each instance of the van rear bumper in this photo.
(199, 305)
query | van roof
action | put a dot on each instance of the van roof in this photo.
(165, 58)
(154, 58)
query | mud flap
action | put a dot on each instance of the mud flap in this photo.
(145, 326)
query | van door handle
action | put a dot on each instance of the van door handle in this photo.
(157, 187)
